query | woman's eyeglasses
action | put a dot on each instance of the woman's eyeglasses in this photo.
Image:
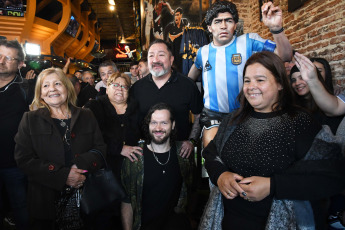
(117, 85)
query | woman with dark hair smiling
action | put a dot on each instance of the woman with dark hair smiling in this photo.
(305, 99)
(259, 157)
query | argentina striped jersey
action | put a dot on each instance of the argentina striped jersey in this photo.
(222, 69)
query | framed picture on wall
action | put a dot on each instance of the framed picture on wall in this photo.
(295, 4)
(166, 19)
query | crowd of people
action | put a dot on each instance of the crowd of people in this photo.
(273, 136)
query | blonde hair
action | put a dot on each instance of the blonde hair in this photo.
(38, 102)
(117, 75)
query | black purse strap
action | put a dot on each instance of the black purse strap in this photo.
(100, 153)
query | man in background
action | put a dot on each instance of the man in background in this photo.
(143, 68)
(87, 77)
(105, 69)
(87, 91)
(14, 101)
(133, 68)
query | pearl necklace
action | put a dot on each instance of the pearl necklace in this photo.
(156, 158)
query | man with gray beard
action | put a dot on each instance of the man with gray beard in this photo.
(168, 86)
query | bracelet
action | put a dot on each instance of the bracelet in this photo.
(191, 140)
(277, 31)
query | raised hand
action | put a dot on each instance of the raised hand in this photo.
(30, 74)
(306, 67)
(272, 16)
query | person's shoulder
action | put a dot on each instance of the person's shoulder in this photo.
(99, 83)
(83, 111)
(204, 47)
(170, 24)
(37, 115)
(141, 81)
(96, 104)
(37, 112)
(184, 79)
(300, 116)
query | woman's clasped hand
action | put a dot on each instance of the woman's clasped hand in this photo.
(253, 188)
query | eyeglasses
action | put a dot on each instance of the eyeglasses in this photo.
(117, 85)
(8, 59)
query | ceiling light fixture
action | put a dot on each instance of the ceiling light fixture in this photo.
(111, 2)
(112, 8)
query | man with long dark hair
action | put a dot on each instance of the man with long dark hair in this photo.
(156, 184)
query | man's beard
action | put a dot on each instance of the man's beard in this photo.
(6, 72)
(160, 141)
(158, 73)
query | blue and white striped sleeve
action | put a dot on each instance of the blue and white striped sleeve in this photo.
(341, 96)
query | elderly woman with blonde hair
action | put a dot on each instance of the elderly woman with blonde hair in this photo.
(56, 144)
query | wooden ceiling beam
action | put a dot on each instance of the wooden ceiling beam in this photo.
(41, 5)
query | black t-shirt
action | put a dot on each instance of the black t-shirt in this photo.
(179, 92)
(161, 187)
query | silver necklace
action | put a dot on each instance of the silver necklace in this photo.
(154, 155)
(63, 123)
(67, 136)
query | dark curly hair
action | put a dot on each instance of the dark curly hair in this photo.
(147, 120)
(221, 7)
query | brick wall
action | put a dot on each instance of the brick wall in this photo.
(317, 29)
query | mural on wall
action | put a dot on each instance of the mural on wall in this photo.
(137, 26)
(166, 20)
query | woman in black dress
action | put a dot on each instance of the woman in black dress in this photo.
(258, 156)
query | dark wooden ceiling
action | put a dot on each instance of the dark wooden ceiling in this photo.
(116, 23)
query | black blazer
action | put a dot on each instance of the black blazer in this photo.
(40, 154)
